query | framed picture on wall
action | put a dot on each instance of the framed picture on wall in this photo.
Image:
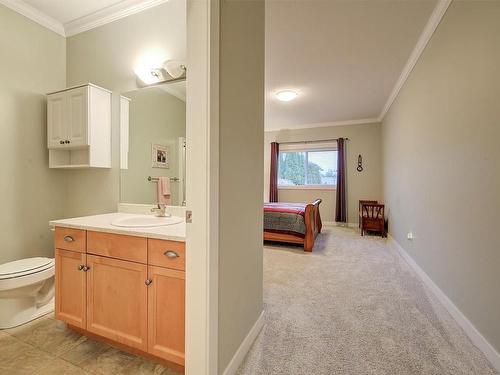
(160, 156)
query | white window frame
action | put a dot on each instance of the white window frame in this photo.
(311, 147)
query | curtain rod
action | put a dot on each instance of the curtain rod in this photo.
(306, 142)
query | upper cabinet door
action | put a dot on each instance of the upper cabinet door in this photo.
(56, 130)
(117, 300)
(77, 116)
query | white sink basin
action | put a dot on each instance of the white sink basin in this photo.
(145, 221)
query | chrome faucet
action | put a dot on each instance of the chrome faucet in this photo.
(160, 210)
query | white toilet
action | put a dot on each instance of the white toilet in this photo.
(26, 290)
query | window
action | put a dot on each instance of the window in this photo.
(307, 168)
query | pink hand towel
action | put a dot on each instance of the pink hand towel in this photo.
(164, 190)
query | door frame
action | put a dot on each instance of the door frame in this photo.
(202, 187)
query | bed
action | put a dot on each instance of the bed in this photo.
(297, 223)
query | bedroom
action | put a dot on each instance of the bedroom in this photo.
(350, 99)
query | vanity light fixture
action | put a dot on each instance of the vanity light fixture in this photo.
(170, 70)
(175, 68)
(149, 76)
(286, 95)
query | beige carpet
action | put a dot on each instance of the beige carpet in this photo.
(354, 306)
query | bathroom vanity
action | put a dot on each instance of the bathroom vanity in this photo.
(124, 284)
(120, 277)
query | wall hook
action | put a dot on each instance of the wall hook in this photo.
(360, 163)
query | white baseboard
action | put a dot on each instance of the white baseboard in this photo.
(245, 346)
(475, 336)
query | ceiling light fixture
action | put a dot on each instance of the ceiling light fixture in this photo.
(286, 95)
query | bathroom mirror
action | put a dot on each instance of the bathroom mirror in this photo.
(152, 133)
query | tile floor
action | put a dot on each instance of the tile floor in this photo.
(43, 347)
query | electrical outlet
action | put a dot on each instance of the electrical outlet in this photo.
(410, 236)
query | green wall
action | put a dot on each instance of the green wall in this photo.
(441, 162)
(33, 63)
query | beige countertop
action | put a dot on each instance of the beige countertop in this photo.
(102, 223)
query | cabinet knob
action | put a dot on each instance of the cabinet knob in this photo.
(148, 281)
(68, 239)
(61, 142)
(66, 141)
(80, 267)
(85, 268)
(171, 254)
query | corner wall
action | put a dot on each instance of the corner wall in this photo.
(107, 56)
(441, 162)
(241, 131)
(33, 63)
(363, 139)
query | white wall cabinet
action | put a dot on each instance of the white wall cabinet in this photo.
(124, 131)
(79, 127)
(55, 121)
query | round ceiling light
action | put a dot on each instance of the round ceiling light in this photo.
(286, 95)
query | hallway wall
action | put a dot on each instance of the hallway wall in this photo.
(441, 160)
(241, 131)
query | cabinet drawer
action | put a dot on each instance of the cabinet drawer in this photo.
(170, 254)
(118, 246)
(70, 239)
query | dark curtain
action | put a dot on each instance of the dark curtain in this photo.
(341, 204)
(273, 180)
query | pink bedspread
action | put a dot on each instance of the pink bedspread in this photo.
(289, 208)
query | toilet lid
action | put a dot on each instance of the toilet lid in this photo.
(25, 266)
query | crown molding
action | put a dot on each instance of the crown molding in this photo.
(35, 15)
(101, 17)
(425, 37)
(107, 15)
(326, 124)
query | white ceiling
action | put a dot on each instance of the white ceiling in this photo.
(66, 11)
(343, 57)
(70, 17)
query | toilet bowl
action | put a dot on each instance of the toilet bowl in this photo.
(26, 290)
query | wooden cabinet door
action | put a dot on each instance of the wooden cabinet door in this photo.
(56, 122)
(117, 300)
(166, 300)
(70, 287)
(77, 116)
